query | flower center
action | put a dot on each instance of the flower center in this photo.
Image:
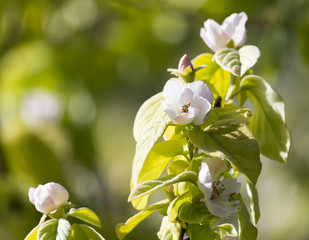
(185, 108)
(217, 189)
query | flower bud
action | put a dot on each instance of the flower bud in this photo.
(232, 30)
(184, 63)
(48, 197)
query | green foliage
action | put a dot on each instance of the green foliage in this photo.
(232, 140)
(268, 119)
(123, 229)
(169, 231)
(246, 229)
(83, 232)
(237, 62)
(149, 126)
(150, 186)
(54, 229)
(216, 78)
(86, 215)
(33, 234)
(201, 232)
(254, 203)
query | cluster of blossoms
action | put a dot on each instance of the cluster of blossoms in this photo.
(187, 103)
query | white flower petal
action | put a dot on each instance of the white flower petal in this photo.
(184, 118)
(201, 90)
(203, 107)
(214, 36)
(234, 27)
(58, 193)
(171, 91)
(170, 110)
(217, 209)
(231, 187)
(185, 97)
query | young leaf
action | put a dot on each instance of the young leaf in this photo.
(212, 74)
(231, 112)
(202, 232)
(123, 229)
(176, 167)
(149, 126)
(176, 204)
(254, 203)
(237, 62)
(232, 140)
(83, 232)
(194, 212)
(86, 215)
(54, 229)
(153, 185)
(33, 234)
(169, 231)
(227, 230)
(246, 229)
(170, 148)
(268, 119)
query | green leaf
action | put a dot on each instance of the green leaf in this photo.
(232, 140)
(149, 126)
(230, 112)
(246, 229)
(176, 204)
(176, 167)
(170, 148)
(169, 231)
(202, 232)
(194, 212)
(254, 203)
(33, 234)
(237, 62)
(54, 229)
(214, 76)
(123, 229)
(227, 230)
(268, 119)
(86, 215)
(83, 232)
(153, 185)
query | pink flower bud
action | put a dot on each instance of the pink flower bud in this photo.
(48, 197)
(184, 63)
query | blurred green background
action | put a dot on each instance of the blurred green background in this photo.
(74, 73)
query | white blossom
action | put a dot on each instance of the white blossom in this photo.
(218, 36)
(188, 103)
(48, 197)
(218, 192)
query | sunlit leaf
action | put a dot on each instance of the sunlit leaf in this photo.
(254, 203)
(194, 212)
(33, 234)
(176, 204)
(149, 126)
(232, 140)
(230, 112)
(123, 229)
(153, 185)
(227, 230)
(237, 62)
(170, 148)
(215, 77)
(83, 232)
(246, 229)
(268, 119)
(169, 231)
(202, 232)
(177, 167)
(86, 215)
(54, 229)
